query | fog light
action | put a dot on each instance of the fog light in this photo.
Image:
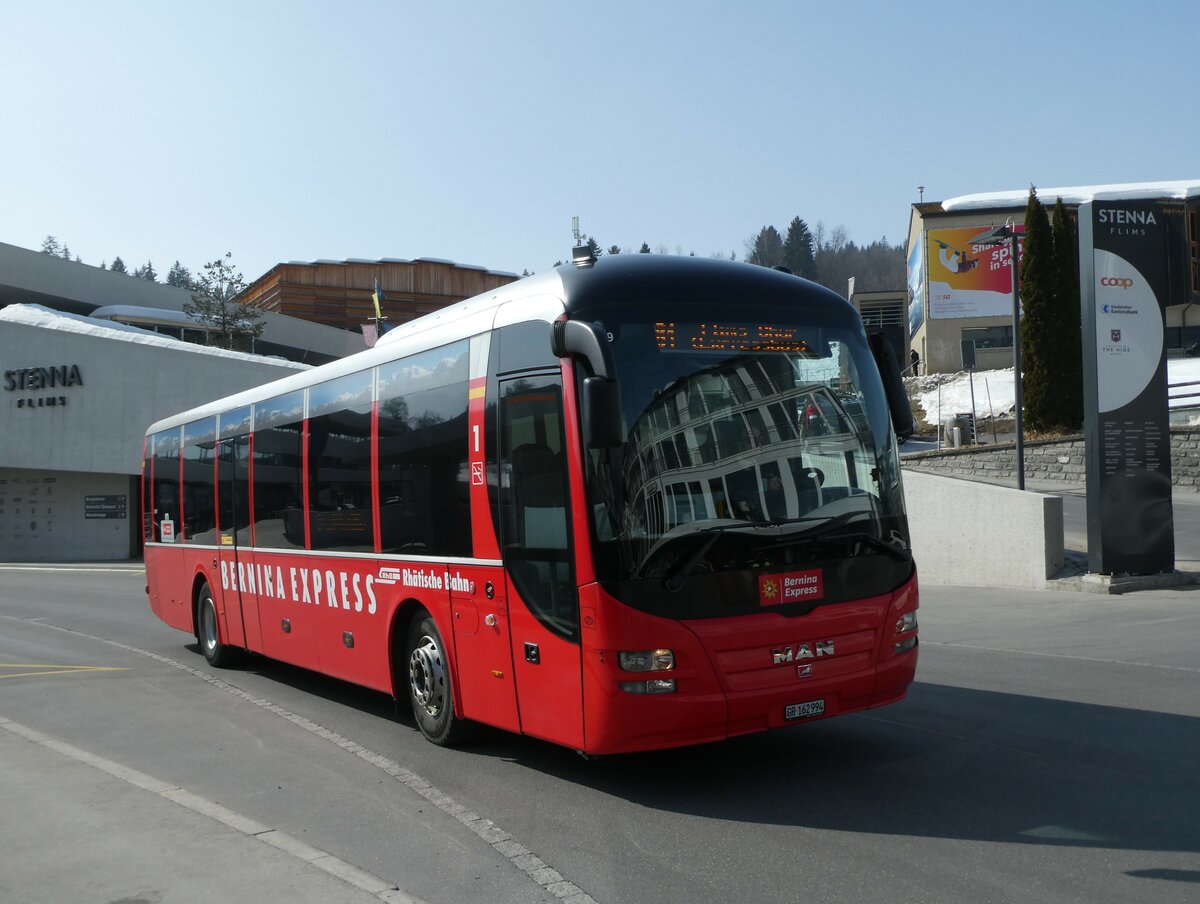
(646, 660)
(907, 644)
(653, 686)
(906, 622)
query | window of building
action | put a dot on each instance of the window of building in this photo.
(990, 336)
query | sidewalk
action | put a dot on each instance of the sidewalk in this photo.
(117, 840)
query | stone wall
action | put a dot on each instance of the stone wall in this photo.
(1059, 460)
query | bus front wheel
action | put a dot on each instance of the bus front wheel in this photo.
(216, 653)
(429, 685)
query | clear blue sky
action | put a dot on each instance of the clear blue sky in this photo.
(474, 130)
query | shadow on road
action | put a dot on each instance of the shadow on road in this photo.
(947, 763)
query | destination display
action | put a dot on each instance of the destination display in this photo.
(710, 336)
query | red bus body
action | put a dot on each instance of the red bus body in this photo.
(348, 613)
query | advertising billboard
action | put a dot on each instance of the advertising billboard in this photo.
(916, 286)
(968, 280)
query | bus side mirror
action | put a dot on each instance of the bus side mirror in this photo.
(601, 410)
(893, 386)
(601, 402)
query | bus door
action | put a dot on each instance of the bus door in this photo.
(233, 523)
(482, 632)
(535, 539)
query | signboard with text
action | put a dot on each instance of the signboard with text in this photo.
(1124, 291)
(967, 280)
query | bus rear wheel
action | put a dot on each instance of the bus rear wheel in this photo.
(429, 685)
(216, 653)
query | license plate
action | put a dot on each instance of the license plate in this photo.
(804, 710)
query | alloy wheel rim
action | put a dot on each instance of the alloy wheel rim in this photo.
(426, 676)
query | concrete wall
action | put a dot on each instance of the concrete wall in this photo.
(52, 516)
(98, 426)
(978, 534)
(1061, 460)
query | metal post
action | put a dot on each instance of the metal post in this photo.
(1016, 280)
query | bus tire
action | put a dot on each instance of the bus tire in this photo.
(208, 633)
(429, 684)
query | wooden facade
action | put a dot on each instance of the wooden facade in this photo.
(338, 293)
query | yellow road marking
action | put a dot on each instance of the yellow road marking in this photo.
(47, 668)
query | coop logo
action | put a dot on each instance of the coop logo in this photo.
(1120, 282)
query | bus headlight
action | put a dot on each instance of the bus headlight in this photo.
(646, 660)
(906, 625)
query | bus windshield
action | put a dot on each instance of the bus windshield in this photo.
(750, 446)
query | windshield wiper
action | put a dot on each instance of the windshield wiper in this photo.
(674, 581)
(831, 530)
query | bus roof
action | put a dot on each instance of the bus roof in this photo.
(545, 296)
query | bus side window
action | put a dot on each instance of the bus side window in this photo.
(166, 482)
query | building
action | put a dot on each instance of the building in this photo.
(90, 358)
(960, 292)
(339, 293)
(76, 399)
(31, 277)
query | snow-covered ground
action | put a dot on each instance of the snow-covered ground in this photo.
(942, 396)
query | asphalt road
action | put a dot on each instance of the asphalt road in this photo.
(1046, 753)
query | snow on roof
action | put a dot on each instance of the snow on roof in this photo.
(45, 318)
(1125, 191)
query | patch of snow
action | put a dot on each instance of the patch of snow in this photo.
(1078, 194)
(45, 318)
(955, 391)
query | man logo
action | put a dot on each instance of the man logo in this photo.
(1120, 282)
(1116, 335)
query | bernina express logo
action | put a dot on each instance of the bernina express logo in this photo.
(801, 651)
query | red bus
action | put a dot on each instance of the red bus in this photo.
(634, 503)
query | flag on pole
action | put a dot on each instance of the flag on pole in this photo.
(377, 298)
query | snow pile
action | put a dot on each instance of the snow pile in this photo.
(954, 392)
(942, 396)
(36, 315)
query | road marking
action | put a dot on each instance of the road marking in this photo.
(322, 860)
(48, 669)
(1096, 659)
(82, 569)
(503, 843)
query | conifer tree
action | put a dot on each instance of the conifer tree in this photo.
(214, 303)
(1039, 347)
(766, 249)
(179, 276)
(118, 265)
(645, 249)
(798, 253)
